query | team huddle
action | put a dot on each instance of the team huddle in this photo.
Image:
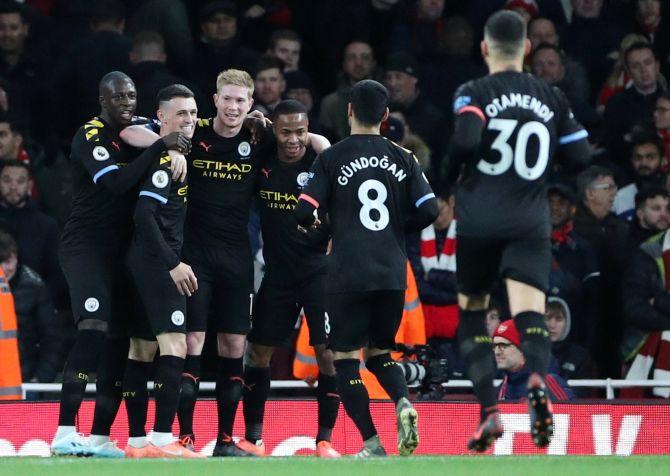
(157, 249)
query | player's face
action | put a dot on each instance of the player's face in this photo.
(648, 12)
(8, 142)
(646, 160)
(292, 134)
(654, 214)
(560, 210)
(542, 31)
(643, 68)
(401, 86)
(232, 104)
(302, 95)
(13, 33)
(289, 52)
(587, 8)
(15, 184)
(547, 65)
(508, 356)
(119, 100)
(662, 114)
(269, 85)
(556, 324)
(359, 61)
(178, 115)
(219, 28)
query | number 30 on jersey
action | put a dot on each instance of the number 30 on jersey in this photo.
(517, 156)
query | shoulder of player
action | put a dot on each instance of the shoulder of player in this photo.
(94, 131)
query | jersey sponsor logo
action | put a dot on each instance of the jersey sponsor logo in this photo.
(461, 101)
(91, 304)
(278, 200)
(523, 101)
(302, 179)
(244, 149)
(222, 170)
(177, 318)
(160, 179)
(182, 191)
(100, 153)
(205, 146)
(361, 163)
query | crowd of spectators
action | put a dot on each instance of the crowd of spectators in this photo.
(608, 297)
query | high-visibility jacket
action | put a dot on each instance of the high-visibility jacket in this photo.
(411, 331)
(10, 366)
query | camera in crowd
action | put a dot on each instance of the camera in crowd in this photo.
(427, 372)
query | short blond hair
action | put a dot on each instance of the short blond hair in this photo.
(236, 77)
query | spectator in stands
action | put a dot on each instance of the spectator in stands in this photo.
(219, 47)
(549, 63)
(526, 8)
(299, 87)
(453, 66)
(510, 360)
(169, 19)
(286, 45)
(646, 306)
(418, 34)
(37, 234)
(635, 104)
(608, 235)
(22, 66)
(39, 333)
(574, 275)
(651, 214)
(590, 26)
(573, 360)
(79, 70)
(645, 168)
(662, 123)
(432, 254)
(542, 30)
(423, 117)
(269, 84)
(151, 74)
(358, 63)
(649, 22)
(397, 130)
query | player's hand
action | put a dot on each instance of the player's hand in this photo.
(178, 165)
(256, 122)
(184, 279)
(177, 141)
(315, 224)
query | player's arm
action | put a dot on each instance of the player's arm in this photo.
(421, 196)
(143, 136)
(153, 194)
(469, 122)
(318, 142)
(573, 138)
(315, 193)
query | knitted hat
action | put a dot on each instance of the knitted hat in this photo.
(507, 330)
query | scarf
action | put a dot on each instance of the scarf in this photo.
(560, 235)
(446, 258)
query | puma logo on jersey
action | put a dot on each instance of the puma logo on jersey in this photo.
(205, 146)
(116, 145)
(266, 172)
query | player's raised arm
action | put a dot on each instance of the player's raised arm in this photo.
(469, 122)
(318, 142)
(315, 193)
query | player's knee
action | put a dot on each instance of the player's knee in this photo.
(231, 345)
(142, 350)
(195, 341)
(473, 302)
(259, 355)
(172, 343)
(93, 325)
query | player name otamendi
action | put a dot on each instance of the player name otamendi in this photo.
(361, 163)
(525, 101)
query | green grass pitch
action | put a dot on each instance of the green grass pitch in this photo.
(297, 466)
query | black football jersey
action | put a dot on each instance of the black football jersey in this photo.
(222, 173)
(289, 254)
(99, 218)
(368, 185)
(170, 214)
(503, 191)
